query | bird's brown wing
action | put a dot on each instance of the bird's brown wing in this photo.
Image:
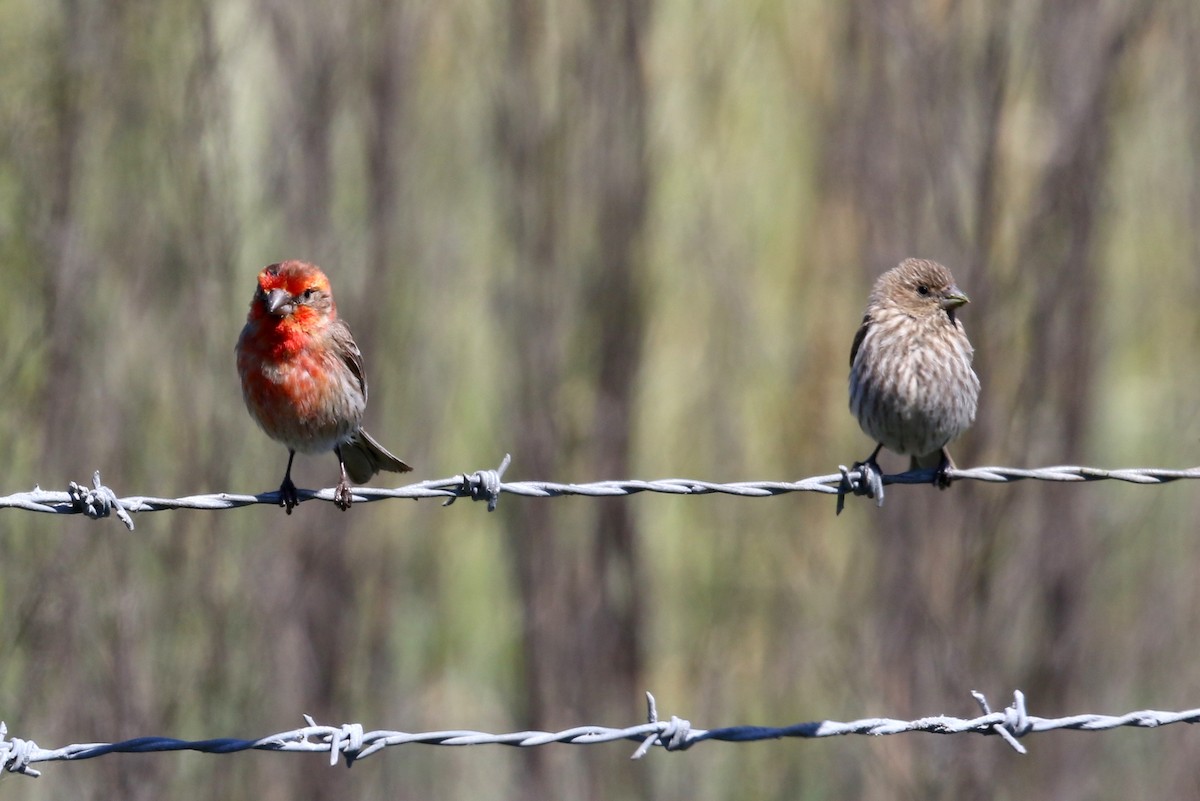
(351, 355)
(859, 337)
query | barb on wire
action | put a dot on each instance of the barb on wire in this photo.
(487, 485)
(352, 742)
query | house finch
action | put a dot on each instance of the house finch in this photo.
(911, 383)
(302, 377)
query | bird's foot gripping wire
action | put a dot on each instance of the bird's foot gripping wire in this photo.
(941, 476)
(343, 496)
(868, 481)
(287, 495)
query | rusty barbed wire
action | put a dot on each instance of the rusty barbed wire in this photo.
(351, 741)
(99, 501)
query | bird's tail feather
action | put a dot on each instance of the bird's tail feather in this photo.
(364, 457)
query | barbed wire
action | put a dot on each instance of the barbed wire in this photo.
(99, 501)
(352, 742)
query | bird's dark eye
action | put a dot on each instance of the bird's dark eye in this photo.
(308, 294)
(922, 290)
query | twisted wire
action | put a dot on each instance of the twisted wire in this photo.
(487, 485)
(351, 741)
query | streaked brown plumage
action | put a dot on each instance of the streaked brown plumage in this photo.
(911, 383)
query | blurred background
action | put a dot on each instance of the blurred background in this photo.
(618, 239)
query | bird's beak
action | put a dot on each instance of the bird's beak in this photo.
(953, 298)
(279, 303)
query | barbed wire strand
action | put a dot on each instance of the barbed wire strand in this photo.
(351, 741)
(99, 501)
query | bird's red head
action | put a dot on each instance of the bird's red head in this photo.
(295, 293)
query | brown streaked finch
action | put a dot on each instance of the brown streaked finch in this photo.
(302, 378)
(911, 383)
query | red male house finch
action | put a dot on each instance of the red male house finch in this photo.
(911, 383)
(302, 377)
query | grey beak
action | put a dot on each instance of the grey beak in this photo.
(279, 303)
(953, 298)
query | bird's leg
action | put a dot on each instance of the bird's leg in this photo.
(871, 459)
(342, 496)
(287, 490)
(941, 476)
